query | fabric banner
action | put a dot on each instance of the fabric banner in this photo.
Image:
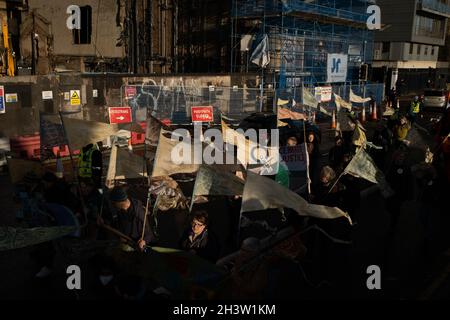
(359, 138)
(295, 157)
(281, 102)
(16, 238)
(309, 99)
(285, 113)
(262, 193)
(362, 166)
(357, 99)
(250, 152)
(341, 103)
(152, 131)
(260, 55)
(343, 121)
(214, 180)
(82, 132)
(164, 165)
(129, 165)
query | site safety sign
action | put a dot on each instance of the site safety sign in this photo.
(119, 115)
(202, 114)
(2, 99)
(75, 98)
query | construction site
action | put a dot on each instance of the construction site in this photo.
(224, 150)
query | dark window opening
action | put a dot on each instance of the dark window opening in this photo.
(386, 47)
(83, 35)
(411, 48)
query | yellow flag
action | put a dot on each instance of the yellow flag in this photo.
(282, 102)
(341, 102)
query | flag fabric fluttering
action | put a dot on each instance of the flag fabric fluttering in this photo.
(243, 145)
(152, 130)
(281, 102)
(359, 138)
(164, 165)
(363, 166)
(213, 180)
(83, 132)
(285, 113)
(262, 193)
(14, 238)
(341, 103)
(357, 99)
(309, 99)
(261, 55)
(129, 165)
(264, 158)
(344, 123)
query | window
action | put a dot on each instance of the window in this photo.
(411, 48)
(426, 50)
(429, 27)
(83, 35)
(432, 51)
(386, 47)
(418, 48)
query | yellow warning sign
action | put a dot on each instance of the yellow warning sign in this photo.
(75, 97)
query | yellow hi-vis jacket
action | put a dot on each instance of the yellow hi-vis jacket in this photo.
(415, 106)
(85, 163)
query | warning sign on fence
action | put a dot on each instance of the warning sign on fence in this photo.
(2, 99)
(75, 97)
(202, 114)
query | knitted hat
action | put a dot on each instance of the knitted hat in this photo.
(118, 194)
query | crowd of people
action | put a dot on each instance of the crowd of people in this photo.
(127, 216)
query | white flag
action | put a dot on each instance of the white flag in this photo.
(261, 193)
(358, 99)
(362, 166)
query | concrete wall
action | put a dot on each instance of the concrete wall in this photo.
(400, 51)
(399, 14)
(104, 29)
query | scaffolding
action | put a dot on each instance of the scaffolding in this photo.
(301, 35)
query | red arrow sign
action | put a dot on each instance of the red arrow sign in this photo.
(202, 114)
(120, 115)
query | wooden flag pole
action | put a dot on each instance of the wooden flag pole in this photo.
(307, 164)
(75, 176)
(146, 213)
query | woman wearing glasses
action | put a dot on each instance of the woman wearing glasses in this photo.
(199, 240)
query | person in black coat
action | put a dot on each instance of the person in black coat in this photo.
(199, 240)
(130, 218)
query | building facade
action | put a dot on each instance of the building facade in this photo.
(408, 48)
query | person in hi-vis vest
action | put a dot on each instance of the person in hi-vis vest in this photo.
(90, 164)
(415, 109)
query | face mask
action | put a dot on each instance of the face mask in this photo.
(105, 279)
